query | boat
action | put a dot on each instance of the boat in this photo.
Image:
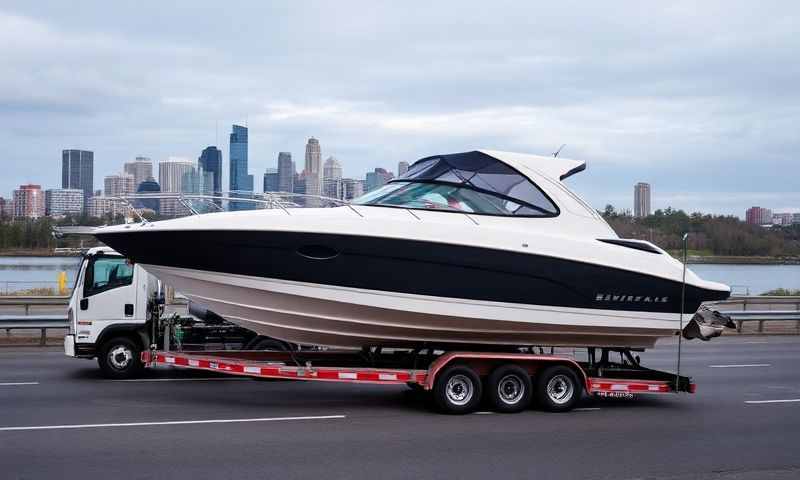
(476, 248)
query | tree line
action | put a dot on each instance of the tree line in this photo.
(709, 234)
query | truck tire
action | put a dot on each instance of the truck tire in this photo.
(120, 358)
(509, 388)
(558, 388)
(457, 390)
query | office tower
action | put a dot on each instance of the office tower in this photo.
(101, 206)
(170, 179)
(239, 178)
(197, 182)
(377, 178)
(211, 161)
(782, 219)
(63, 201)
(77, 171)
(351, 188)
(758, 216)
(313, 170)
(141, 169)
(402, 168)
(641, 199)
(332, 178)
(119, 185)
(299, 184)
(286, 172)
(29, 201)
(149, 186)
(271, 180)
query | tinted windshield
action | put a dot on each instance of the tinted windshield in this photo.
(471, 182)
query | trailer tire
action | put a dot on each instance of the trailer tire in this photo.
(120, 358)
(558, 388)
(266, 343)
(457, 390)
(509, 388)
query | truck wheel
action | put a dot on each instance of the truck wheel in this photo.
(457, 390)
(120, 358)
(509, 388)
(557, 388)
(266, 343)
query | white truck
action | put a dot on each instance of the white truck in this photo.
(117, 311)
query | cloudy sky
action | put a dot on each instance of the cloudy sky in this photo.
(701, 101)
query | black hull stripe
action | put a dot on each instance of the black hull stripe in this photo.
(409, 266)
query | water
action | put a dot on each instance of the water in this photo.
(22, 273)
(756, 279)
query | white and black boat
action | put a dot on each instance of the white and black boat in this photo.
(482, 247)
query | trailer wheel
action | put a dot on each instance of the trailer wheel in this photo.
(120, 358)
(558, 388)
(509, 388)
(267, 343)
(457, 390)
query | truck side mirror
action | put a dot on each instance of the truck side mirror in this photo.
(84, 304)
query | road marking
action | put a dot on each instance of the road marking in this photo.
(175, 422)
(483, 413)
(14, 384)
(587, 409)
(743, 365)
(204, 379)
(789, 400)
(755, 343)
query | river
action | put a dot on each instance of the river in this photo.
(21, 273)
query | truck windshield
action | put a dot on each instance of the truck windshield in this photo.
(105, 273)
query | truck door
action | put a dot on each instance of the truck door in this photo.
(109, 294)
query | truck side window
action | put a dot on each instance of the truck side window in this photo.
(106, 273)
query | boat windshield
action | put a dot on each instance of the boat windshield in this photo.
(471, 182)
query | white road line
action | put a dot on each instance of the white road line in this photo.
(789, 400)
(15, 384)
(176, 422)
(743, 365)
(484, 413)
(754, 343)
(204, 379)
(587, 409)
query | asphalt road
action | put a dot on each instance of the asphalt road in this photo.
(306, 429)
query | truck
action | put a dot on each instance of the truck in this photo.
(118, 315)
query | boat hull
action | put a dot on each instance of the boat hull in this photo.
(319, 314)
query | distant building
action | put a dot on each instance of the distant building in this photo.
(271, 180)
(782, 218)
(197, 181)
(313, 170)
(351, 188)
(239, 179)
(141, 169)
(286, 172)
(377, 178)
(119, 185)
(641, 199)
(149, 186)
(332, 178)
(101, 206)
(170, 179)
(29, 201)
(77, 171)
(63, 201)
(5, 207)
(795, 218)
(299, 185)
(402, 168)
(758, 216)
(211, 161)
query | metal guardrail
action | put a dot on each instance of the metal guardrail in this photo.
(34, 322)
(761, 309)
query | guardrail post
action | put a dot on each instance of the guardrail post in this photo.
(761, 326)
(739, 324)
(43, 340)
(27, 309)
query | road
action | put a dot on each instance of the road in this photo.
(286, 430)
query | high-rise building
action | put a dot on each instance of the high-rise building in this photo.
(377, 178)
(351, 188)
(29, 201)
(402, 168)
(286, 172)
(170, 179)
(332, 178)
(101, 206)
(149, 186)
(758, 216)
(141, 169)
(795, 218)
(77, 171)
(271, 180)
(63, 201)
(299, 185)
(781, 218)
(197, 181)
(239, 178)
(119, 185)
(641, 199)
(211, 161)
(313, 170)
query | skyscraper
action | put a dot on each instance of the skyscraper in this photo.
(313, 170)
(758, 216)
(141, 169)
(149, 186)
(77, 171)
(63, 201)
(641, 199)
(29, 201)
(211, 161)
(119, 185)
(332, 178)
(239, 178)
(170, 178)
(402, 168)
(286, 172)
(271, 180)
(376, 179)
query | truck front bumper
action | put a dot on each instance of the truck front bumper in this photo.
(78, 350)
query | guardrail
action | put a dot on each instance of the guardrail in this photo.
(27, 321)
(760, 309)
